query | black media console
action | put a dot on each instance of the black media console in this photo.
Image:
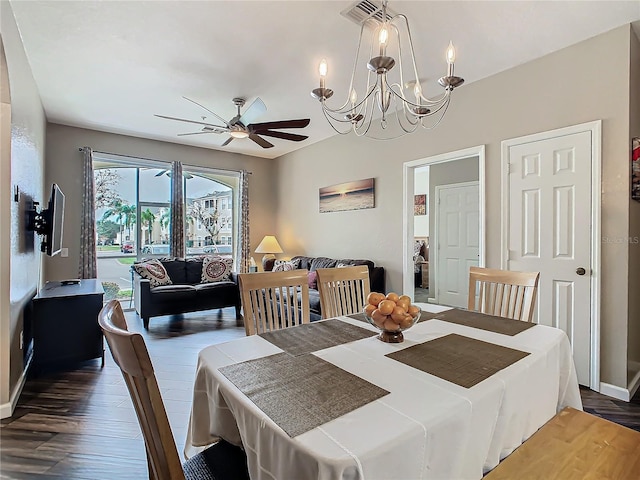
(65, 325)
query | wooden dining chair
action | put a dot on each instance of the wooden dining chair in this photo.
(220, 461)
(503, 293)
(343, 291)
(274, 300)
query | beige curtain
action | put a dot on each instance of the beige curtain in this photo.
(88, 264)
(176, 228)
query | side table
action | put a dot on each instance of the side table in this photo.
(65, 325)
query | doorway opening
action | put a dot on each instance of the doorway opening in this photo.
(444, 225)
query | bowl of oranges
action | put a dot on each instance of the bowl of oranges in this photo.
(391, 314)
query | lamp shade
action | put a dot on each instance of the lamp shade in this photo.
(269, 244)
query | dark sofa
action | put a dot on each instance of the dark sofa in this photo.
(376, 277)
(186, 294)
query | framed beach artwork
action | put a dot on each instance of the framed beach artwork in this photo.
(347, 196)
(420, 204)
(635, 168)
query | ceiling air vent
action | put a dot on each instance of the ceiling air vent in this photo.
(362, 11)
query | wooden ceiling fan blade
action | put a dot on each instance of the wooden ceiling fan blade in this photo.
(300, 123)
(227, 142)
(193, 121)
(260, 141)
(284, 135)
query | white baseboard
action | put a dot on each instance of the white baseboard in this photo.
(6, 409)
(614, 391)
(635, 381)
(624, 394)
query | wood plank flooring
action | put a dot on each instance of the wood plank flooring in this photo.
(80, 425)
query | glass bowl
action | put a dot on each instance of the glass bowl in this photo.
(389, 335)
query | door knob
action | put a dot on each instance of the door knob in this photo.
(580, 271)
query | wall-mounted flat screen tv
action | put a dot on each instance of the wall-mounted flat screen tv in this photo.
(53, 220)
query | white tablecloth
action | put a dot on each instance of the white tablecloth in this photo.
(426, 428)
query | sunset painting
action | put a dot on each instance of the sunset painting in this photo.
(347, 196)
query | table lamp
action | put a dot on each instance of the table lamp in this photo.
(269, 245)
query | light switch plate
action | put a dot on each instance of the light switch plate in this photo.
(64, 252)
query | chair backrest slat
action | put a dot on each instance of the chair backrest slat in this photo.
(343, 291)
(274, 300)
(130, 353)
(503, 293)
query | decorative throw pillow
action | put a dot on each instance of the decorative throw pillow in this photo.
(154, 271)
(216, 269)
(283, 266)
(342, 265)
(312, 279)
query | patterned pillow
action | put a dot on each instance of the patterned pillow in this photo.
(216, 269)
(154, 271)
(312, 280)
(342, 265)
(283, 266)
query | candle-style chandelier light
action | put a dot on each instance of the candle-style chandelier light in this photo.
(385, 111)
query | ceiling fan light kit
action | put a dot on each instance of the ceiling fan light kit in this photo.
(383, 95)
(242, 126)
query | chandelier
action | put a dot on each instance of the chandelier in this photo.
(397, 107)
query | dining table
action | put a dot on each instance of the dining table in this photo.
(330, 400)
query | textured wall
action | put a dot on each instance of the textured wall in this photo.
(28, 127)
(634, 217)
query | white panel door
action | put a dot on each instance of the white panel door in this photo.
(457, 227)
(550, 230)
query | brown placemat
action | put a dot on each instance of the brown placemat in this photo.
(458, 359)
(311, 337)
(300, 393)
(505, 326)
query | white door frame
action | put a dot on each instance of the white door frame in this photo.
(595, 128)
(408, 171)
(435, 255)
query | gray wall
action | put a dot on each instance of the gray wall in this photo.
(64, 167)
(527, 99)
(22, 162)
(634, 217)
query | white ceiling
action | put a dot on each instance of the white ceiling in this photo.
(112, 65)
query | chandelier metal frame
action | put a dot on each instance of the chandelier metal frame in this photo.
(384, 93)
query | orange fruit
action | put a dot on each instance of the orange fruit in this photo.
(386, 306)
(404, 302)
(369, 309)
(375, 298)
(413, 310)
(406, 322)
(398, 314)
(391, 326)
(379, 318)
(392, 296)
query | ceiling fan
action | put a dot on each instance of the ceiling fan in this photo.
(241, 125)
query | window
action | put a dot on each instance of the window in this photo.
(133, 214)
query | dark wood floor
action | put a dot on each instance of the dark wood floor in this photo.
(80, 425)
